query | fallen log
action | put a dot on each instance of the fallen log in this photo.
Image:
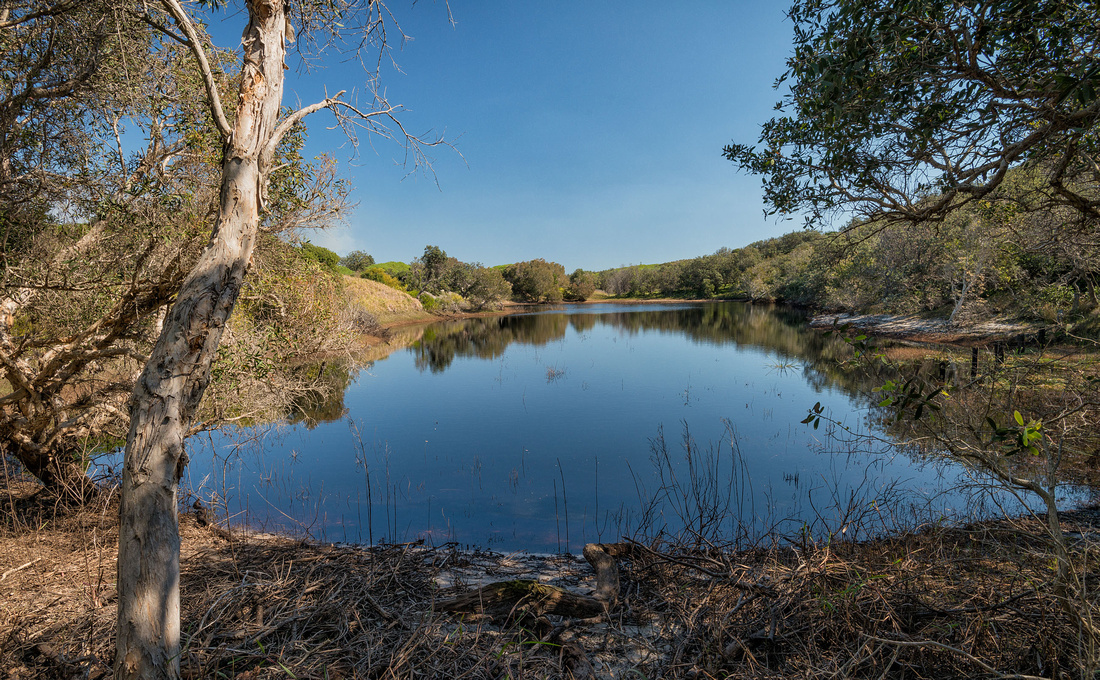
(521, 598)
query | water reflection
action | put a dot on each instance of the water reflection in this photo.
(325, 403)
(545, 430)
(778, 330)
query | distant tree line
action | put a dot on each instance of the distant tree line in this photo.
(997, 256)
(446, 284)
(737, 273)
(1006, 254)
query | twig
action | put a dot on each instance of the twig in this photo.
(735, 582)
(9, 572)
(955, 650)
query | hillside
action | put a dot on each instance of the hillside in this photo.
(387, 305)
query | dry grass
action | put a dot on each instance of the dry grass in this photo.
(965, 602)
(385, 304)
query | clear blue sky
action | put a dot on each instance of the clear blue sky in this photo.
(590, 131)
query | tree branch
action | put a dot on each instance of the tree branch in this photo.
(195, 44)
(296, 117)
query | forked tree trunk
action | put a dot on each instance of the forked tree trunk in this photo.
(178, 371)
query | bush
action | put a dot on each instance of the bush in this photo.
(450, 302)
(428, 302)
(357, 260)
(581, 286)
(380, 275)
(444, 303)
(536, 280)
(328, 259)
(487, 288)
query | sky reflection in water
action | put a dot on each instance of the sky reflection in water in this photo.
(538, 432)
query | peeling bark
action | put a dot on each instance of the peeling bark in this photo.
(178, 371)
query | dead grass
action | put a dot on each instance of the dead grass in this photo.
(964, 602)
(387, 305)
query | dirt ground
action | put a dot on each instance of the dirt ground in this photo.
(975, 601)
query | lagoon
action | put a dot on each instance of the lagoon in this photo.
(545, 430)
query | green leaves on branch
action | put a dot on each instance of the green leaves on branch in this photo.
(815, 415)
(1018, 437)
(907, 397)
(887, 114)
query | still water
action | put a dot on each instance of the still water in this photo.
(546, 430)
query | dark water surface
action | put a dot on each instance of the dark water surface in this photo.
(543, 431)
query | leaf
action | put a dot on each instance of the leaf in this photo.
(1019, 418)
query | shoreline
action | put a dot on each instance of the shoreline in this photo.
(372, 343)
(264, 605)
(918, 329)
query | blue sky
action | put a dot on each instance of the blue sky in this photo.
(590, 132)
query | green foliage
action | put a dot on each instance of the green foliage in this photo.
(449, 302)
(321, 255)
(581, 286)
(885, 111)
(487, 288)
(357, 260)
(428, 271)
(290, 308)
(536, 280)
(396, 269)
(428, 301)
(377, 273)
(475, 286)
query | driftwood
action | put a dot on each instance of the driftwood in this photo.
(521, 598)
(526, 599)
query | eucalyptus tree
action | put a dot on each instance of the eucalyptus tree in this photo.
(536, 280)
(81, 277)
(357, 260)
(250, 128)
(110, 186)
(582, 284)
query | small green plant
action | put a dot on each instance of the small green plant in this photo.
(428, 302)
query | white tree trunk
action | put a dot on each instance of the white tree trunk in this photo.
(178, 371)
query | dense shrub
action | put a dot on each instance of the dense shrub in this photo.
(536, 280)
(428, 302)
(325, 257)
(581, 286)
(378, 274)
